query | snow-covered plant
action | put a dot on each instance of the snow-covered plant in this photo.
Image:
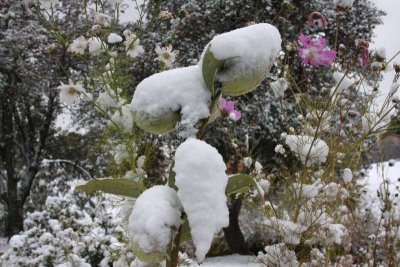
(317, 121)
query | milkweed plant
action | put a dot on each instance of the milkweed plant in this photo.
(313, 212)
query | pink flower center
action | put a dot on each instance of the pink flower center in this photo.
(312, 52)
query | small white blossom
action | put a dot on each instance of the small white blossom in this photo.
(78, 46)
(72, 93)
(166, 55)
(165, 15)
(132, 45)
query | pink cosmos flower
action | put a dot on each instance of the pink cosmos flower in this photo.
(315, 52)
(228, 107)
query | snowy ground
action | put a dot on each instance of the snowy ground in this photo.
(381, 172)
(3, 245)
(229, 261)
(386, 36)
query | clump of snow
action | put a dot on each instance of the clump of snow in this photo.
(164, 96)
(333, 233)
(278, 255)
(342, 82)
(95, 45)
(114, 38)
(201, 181)
(123, 118)
(290, 231)
(17, 241)
(247, 51)
(309, 149)
(347, 175)
(156, 211)
(309, 191)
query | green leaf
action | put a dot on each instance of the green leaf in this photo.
(210, 67)
(186, 235)
(239, 183)
(121, 187)
(243, 83)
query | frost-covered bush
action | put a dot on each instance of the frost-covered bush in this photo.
(70, 229)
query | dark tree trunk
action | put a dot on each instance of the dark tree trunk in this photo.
(233, 234)
(15, 218)
(14, 203)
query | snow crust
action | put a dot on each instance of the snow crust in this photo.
(229, 261)
(201, 181)
(253, 47)
(179, 90)
(156, 210)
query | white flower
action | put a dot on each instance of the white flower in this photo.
(280, 149)
(279, 87)
(95, 46)
(48, 4)
(72, 93)
(132, 45)
(78, 46)
(102, 19)
(165, 15)
(247, 161)
(347, 175)
(258, 167)
(166, 55)
(114, 38)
